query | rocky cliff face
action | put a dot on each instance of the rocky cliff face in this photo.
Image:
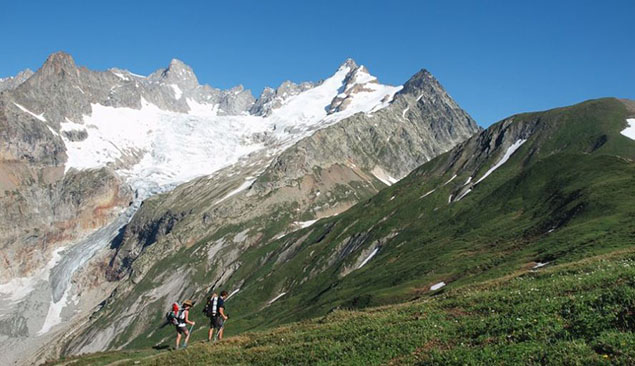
(57, 214)
(12, 82)
(208, 225)
(109, 177)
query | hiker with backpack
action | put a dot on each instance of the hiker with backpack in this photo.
(210, 311)
(215, 310)
(181, 322)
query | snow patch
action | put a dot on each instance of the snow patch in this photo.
(120, 75)
(304, 224)
(539, 265)
(510, 151)
(202, 109)
(54, 315)
(428, 193)
(437, 286)
(276, 298)
(38, 116)
(177, 91)
(403, 113)
(451, 179)
(233, 293)
(463, 195)
(370, 256)
(246, 184)
(384, 177)
(630, 130)
(18, 288)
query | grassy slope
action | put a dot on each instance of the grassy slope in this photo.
(552, 182)
(577, 313)
(575, 175)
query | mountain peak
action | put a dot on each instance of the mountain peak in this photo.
(175, 63)
(58, 62)
(60, 58)
(349, 63)
(418, 81)
(177, 73)
(13, 82)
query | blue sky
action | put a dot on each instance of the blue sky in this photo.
(495, 58)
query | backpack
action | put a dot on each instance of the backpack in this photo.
(211, 307)
(171, 316)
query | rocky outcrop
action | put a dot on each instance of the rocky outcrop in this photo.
(271, 99)
(13, 82)
(422, 122)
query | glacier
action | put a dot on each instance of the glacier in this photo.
(154, 150)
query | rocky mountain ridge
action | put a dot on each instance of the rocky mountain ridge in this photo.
(87, 153)
(259, 200)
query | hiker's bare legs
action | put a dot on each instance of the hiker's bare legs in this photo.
(178, 340)
(220, 333)
(210, 334)
(187, 337)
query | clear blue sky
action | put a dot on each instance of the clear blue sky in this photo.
(495, 58)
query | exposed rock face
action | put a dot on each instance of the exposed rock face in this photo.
(271, 99)
(422, 122)
(43, 215)
(260, 199)
(306, 154)
(359, 153)
(13, 81)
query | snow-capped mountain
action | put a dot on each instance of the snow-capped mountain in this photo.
(87, 149)
(157, 146)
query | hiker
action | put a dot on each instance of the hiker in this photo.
(211, 311)
(182, 322)
(218, 321)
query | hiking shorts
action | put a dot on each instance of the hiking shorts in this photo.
(216, 322)
(182, 330)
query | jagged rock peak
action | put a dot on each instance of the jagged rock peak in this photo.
(22, 75)
(58, 63)
(271, 99)
(13, 82)
(177, 73)
(418, 81)
(349, 63)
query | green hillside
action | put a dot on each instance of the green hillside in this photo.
(565, 197)
(561, 197)
(581, 313)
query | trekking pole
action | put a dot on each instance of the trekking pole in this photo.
(188, 336)
(218, 331)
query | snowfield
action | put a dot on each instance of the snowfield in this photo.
(510, 151)
(370, 256)
(630, 130)
(38, 116)
(154, 149)
(276, 298)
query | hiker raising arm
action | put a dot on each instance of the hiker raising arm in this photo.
(187, 320)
